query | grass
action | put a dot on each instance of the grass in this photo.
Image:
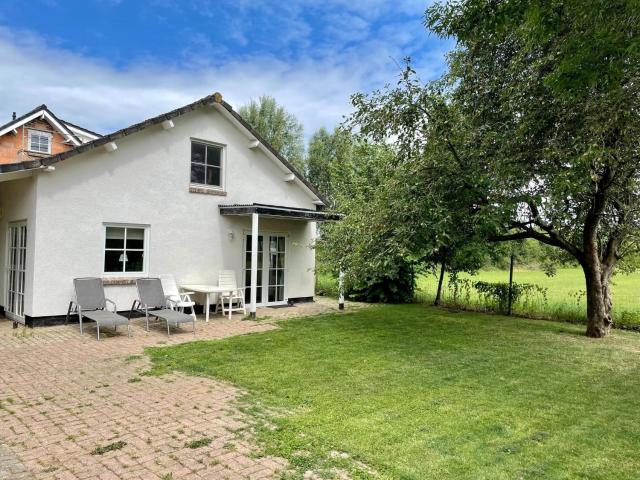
(414, 392)
(108, 448)
(565, 294)
(201, 442)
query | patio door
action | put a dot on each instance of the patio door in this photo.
(16, 271)
(272, 271)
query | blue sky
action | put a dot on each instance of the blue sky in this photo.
(108, 63)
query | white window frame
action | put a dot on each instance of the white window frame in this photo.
(48, 135)
(145, 254)
(223, 164)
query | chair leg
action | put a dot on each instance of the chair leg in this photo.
(98, 327)
(168, 329)
(66, 321)
(80, 317)
(146, 314)
(194, 327)
(133, 307)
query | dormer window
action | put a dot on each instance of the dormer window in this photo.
(39, 142)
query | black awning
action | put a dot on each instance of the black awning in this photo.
(292, 213)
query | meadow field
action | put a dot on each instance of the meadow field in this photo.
(563, 297)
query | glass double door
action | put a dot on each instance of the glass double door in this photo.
(272, 271)
(16, 271)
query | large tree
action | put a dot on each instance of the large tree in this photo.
(325, 150)
(280, 128)
(538, 119)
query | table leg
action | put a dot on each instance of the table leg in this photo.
(206, 312)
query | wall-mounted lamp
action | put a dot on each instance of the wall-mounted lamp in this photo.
(230, 234)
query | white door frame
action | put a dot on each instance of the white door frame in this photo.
(14, 293)
(263, 302)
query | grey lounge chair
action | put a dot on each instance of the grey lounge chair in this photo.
(153, 301)
(91, 303)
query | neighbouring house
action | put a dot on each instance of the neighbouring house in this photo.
(38, 134)
(179, 193)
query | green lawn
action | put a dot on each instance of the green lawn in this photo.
(418, 393)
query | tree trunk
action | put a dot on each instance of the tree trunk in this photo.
(440, 280)
(599, 304)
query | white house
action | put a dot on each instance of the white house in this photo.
(179, 193)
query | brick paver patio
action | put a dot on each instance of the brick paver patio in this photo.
(63, 395)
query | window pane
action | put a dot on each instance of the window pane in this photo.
(280, 277)
(135, 238)
(113, 260)
(272, 294)
(197, 152)
(213, 155)
(280, 260)
(134, 261)
(197, 173)
(213, 176)
(115, 237)
(272, 277)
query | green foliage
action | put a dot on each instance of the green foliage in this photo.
(397, 289)
(498, 293)
(278, 127)
(413, 392)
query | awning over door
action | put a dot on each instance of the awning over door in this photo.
(291, 213)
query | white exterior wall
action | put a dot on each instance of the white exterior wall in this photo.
(18, 203)
(146, 181)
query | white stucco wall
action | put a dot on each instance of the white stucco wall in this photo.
(18, 203)
(146, 181)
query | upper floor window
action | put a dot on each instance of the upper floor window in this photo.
(39, 142)
(125, 249)
(206, 164)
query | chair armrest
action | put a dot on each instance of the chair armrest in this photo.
(184, 296)
(108, 300)
(171, 302)
(187, 293)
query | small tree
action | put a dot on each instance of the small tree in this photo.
(278, 127)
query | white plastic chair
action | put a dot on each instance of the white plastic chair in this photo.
(227, 280)
(177, 299)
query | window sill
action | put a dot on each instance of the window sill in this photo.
(119, 280)
(207, 190)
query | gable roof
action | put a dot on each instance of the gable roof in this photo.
(41, 112)
(214, 99)
(84, 131)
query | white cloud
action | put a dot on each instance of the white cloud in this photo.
(102, 97)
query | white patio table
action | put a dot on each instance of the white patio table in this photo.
(207, 290)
